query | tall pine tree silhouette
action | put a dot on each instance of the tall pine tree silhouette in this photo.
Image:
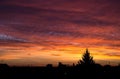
(86, 59)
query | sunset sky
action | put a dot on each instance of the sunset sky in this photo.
(38, 32)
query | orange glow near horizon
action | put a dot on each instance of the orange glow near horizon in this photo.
(40, 32)
(64, 53)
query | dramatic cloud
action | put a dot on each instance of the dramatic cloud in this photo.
(59, 28)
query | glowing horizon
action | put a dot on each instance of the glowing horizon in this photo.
(38, 32)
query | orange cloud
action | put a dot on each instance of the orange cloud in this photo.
(38, 31)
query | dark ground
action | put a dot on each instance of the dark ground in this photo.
(61, 72)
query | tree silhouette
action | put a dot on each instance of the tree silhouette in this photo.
(86, 59)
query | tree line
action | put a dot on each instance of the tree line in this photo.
(86, 68)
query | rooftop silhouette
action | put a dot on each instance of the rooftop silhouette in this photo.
(86, 68)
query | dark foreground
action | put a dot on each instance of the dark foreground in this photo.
(61, 72)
